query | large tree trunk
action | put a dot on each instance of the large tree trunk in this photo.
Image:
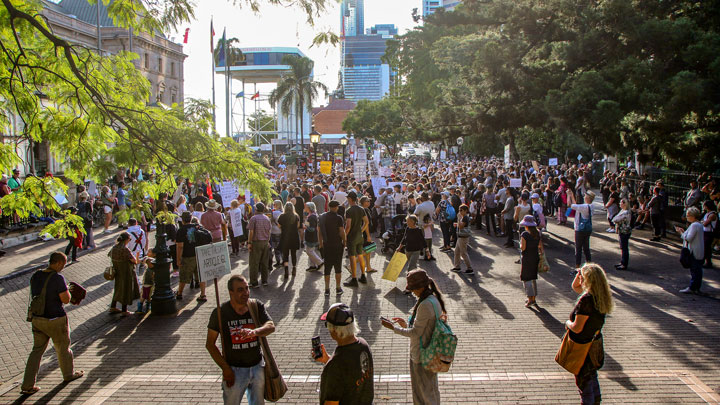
(301, 113)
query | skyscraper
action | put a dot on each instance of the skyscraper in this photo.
(352, 17)
(429, 6)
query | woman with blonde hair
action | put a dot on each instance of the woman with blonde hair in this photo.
(586, 322)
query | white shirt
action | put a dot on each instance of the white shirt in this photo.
(341, 197)
(138, 240)
(584, 209)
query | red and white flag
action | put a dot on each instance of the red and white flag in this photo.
(255, 96)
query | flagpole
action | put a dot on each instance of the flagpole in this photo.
(227, 86)
(212, 58)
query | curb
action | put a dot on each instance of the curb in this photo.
(30, 269)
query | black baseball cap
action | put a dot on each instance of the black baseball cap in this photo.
(339, 315)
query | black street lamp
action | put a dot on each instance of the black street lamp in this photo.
(163, 299)
(343, 142)
(315, 139)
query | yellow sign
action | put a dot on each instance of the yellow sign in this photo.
(392, 272)
(326, 167)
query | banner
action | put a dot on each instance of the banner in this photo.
(326, 167)
(213, 260)
(236, 220)
(393, 269)
(228, 192)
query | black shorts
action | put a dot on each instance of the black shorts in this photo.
(333, 258)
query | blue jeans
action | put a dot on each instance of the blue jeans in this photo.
(589, 388)
(582, 243)
(624, 247)
(696, 274)
(250, 379)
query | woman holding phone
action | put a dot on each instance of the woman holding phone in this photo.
(419, 329)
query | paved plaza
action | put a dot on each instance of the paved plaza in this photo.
(662, 347)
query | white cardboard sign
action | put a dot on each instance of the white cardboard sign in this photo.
(515, 183)
(552, 162)
(213, 260)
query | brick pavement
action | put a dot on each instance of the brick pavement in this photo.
(662, 347)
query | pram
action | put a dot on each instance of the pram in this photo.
(392, 237)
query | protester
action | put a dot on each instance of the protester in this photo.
(85, 211)
(332, 241)
(693, 239)
(419, 329)
(242, 363)
(710, 229)
(289, 223)
(259, 245)
(586, 323)
(464, 233)
(348, 376)
(311, 236)
(583, 227)
(275, 232)
(531, 246)
(14, 182)
(367, 234)
(186, 259)
(624, 230)
(138, 242)
(413, 242)
(508, 214)
(490, 210)
(214, 221)
(445, 222)
(74, 240)
(126, 289)
(356, 222)
(51, 324)
(108, 201)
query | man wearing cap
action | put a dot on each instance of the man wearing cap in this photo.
(332, 240)
(258, 244)
(242, 366)
(347, 377)
(14, 181)
(355, 223)
(214, 221)
(537, 210)
(186, 260)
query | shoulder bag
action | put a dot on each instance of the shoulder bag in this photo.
(275, 386)
(440, 352)
(543, 265)
(571, 355)
(37, 302)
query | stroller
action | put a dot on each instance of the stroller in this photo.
(392, 237)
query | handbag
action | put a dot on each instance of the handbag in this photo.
(464, 232)
(77, 293)
(686, 257)
(440, 352)
(571, 355)
(369, 247)
(275, 386)
(109, 273)
(543, 265)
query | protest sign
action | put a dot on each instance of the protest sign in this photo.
(326, 167)
(236, 219)
(393, 269)
(516, 183)
(228, 192)
(213, 260)
(507, 155)
(377, 184)
(552, 162)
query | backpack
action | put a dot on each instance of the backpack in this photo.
(450, 213)
(585, 224)
(557, 199)
(202, 236)
(37, 302)
(536, 216)
(440, 351)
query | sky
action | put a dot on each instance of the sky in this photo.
(272, 26)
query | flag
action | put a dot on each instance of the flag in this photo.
(208, 189)
(241, 94)
(212, 36)
(185, 38)
(221, 51)
(255, 96)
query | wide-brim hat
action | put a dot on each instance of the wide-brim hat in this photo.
(212, 205)
(417, 279)
(528, 220)
(590, 194)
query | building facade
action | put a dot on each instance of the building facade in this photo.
(429, 6)
(352, 17)
(363, 73)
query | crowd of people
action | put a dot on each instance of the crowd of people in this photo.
(336, 216)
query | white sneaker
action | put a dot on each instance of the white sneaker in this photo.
(611, 230)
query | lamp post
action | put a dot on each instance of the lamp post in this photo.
(163, 299)
(315, 139)
(343, 142)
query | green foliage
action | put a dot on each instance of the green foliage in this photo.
(621, 75)
(380, 120)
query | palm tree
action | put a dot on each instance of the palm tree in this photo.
(234, 56)
(298, 88)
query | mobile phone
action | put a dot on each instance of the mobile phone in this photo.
(317, 350)
(382, 318)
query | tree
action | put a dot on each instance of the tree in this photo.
(235, 55)
(297, 88)
(92, 109)
(380, 120)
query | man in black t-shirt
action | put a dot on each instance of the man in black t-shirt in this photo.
(347, 378)
(185, 255)
(355, 223)
(242, 365)
(52, 323)
(332, 242)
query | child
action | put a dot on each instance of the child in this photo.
(428, 231)
(75, 241)
(148, 284)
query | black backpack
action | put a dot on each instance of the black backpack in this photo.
(202, 236)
